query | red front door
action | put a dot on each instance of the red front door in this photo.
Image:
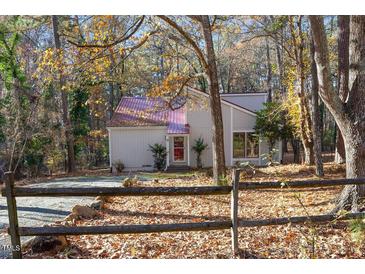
(179, 149)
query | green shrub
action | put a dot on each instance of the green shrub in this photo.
(54, 160)
(198, 148)
(159, 155)
(34, 154)
(271, 124)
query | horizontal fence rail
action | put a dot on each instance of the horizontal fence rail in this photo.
(174, 191)
(123, 229)
(299, 220)
(120, 191)
(301, 184)
(15, 231)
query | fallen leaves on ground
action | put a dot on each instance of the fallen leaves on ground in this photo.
(331, 240)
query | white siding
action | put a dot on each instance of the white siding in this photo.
(131, 146)
(201, 126)
(253, 102)
(243, 121)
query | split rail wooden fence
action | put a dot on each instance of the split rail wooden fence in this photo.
(16, 231)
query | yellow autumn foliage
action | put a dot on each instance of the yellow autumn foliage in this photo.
(170, 86)
(292, 102)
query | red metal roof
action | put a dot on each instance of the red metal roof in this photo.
(145, 111)
(177, 123)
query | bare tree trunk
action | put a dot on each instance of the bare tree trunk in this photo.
(355, 167)
(308, 152)
(316, 125)
(296, 150)
(343, 76)
(71, 166)
(111, 88)
(340, 153)
(279, 63)
(354, 136)
(350, 116)
(111, 100)
(278, 49)
(269, 72)
(229, 78)
(215, 103)
(280, 66)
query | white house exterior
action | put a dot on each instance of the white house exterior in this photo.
(139, 122)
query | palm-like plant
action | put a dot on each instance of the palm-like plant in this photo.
(198, 148)
(159, 155)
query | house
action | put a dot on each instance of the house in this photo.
(140, 121)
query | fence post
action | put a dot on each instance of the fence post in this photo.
(13, 216)
(234, 210)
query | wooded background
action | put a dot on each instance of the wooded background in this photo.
(63, 76)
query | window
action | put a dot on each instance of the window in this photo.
(238, 145)
(252, 150)
(245, 145)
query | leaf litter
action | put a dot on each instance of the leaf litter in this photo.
(331, 240)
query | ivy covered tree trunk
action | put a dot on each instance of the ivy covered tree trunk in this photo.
(350, 116)
(304, 112)
(306, 129)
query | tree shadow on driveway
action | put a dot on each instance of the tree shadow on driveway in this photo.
(39, 210)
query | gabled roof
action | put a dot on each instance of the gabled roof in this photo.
(147, 112)
(226, 102)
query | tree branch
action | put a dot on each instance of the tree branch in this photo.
(123, 38)
(187, 38)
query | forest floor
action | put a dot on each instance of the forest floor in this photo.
(333, 240)
(103, 172)
(39, 211)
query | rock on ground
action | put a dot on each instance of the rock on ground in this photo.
(128, 182)
(86, 212)
(81, 212)
(48, 243)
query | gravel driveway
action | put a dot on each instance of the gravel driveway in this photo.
(38, 211)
